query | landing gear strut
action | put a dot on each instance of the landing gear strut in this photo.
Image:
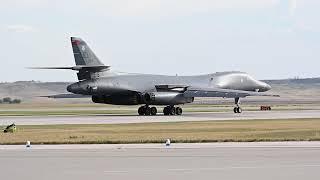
(171, 110)
(237, 109)
(147, 111)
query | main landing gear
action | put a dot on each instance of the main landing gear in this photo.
(152, 111)
(237, 109)
(171, 110)
(147, 111)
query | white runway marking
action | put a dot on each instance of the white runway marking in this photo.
(209, 169)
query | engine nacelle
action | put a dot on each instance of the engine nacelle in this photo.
(133, 99)
(166, 98)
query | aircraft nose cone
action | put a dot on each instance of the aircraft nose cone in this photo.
(268, 87)
(263, 87)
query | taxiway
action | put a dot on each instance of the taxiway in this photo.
(120, 119)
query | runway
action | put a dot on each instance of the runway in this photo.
(264, 161)
(120, 119)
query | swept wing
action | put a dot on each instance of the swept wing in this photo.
(225, 93)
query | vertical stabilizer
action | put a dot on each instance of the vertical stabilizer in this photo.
(83, 55)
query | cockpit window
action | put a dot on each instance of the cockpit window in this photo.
(250, 78)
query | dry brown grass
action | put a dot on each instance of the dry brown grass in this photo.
(222, 131)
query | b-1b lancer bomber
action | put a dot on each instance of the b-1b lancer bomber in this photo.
(99, 82)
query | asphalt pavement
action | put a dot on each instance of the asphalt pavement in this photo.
(241, 161)
(120, 119)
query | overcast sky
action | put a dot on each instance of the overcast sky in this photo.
(269, 39)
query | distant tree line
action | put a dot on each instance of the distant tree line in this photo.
(8, 100)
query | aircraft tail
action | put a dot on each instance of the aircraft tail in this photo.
(83, 55)
(87, 63)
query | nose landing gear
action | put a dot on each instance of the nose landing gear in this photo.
(237, 109)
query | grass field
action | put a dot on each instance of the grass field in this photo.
(187, 132)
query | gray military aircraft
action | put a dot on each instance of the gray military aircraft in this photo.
(99, 82)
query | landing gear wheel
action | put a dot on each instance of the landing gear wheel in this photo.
(148, 111)
(237, 110)
(172, 111)
(166, 111)
(153, 111)
(141, 111)
(179, 111)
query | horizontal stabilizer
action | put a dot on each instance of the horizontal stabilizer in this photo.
(97, 68)
(66, 96)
